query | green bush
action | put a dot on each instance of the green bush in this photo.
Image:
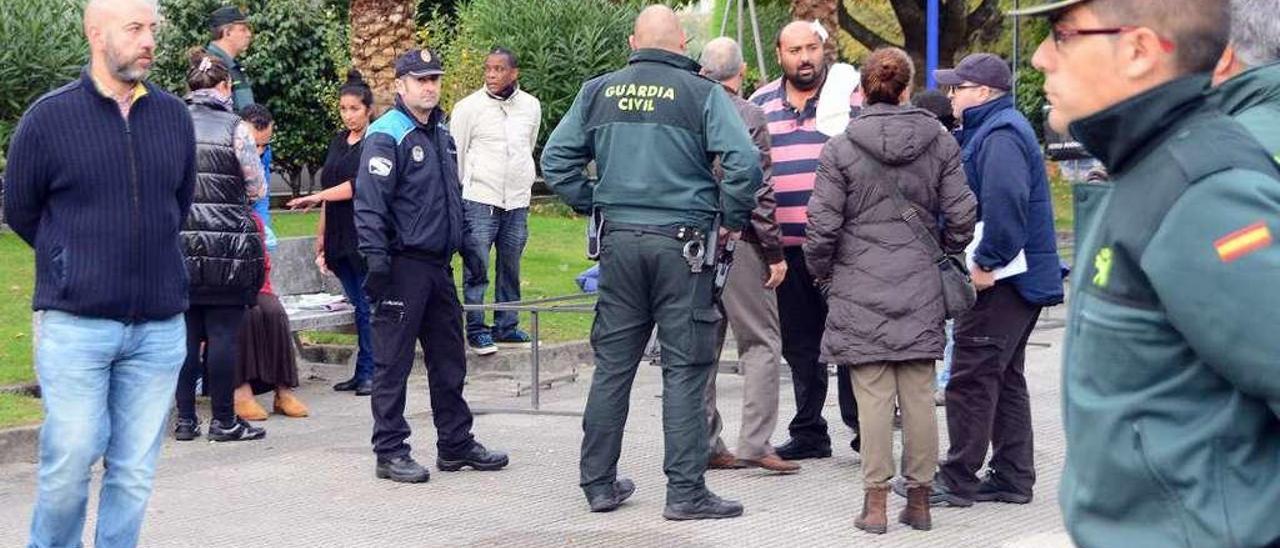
(299, 49)
(560, 44)
(41, 48)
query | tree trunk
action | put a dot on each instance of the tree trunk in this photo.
(381, 30)
(958, 26)
(824, 11)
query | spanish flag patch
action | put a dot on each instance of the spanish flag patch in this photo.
(1243, 242)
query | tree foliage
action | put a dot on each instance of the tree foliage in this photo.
(41, 48)
(299, 48)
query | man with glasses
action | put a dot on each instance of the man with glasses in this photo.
(986, 397)
(1171, 378)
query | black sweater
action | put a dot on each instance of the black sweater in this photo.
(101, 199)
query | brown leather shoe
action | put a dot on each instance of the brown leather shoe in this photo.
(290, 406)
(916, 514)
(723, 461)
(874, 518)
(250, 410)
(773, 463)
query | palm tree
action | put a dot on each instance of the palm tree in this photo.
(381, 30)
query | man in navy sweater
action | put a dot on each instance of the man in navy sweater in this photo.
(103, 217)
(986, 397)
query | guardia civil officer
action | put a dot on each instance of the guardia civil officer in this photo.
(408, 208)
(653, 129)
(1171, 382)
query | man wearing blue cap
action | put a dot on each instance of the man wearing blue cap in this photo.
(986, 398)
(1171, 381)
(408, 206)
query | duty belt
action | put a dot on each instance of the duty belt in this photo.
(695, 247)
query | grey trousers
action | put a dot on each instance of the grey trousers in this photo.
(752, 310)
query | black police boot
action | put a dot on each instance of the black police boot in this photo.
(610, 501)
(708, 506)
(477, 458)
(401, 469)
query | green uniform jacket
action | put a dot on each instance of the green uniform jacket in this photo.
(1253, 99)
(654, 129)
(1171, 370)
(241, 87)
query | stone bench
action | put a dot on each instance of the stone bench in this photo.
(297, 282)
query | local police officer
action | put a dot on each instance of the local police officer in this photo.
(1172, 363)
(653, 130)
(408, 208)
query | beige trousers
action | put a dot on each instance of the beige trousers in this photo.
(877, 386)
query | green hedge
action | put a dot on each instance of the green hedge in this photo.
(41, 47)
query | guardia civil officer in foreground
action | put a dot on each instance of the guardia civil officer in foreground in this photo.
(653, 129)
(408, 207)
(1172, 363)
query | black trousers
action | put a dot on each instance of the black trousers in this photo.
(987, 400)
(803, 314)
(218, 328)
(421, 306)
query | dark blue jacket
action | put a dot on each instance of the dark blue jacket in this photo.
(408, 199)
(101, 199)
(1006, 172)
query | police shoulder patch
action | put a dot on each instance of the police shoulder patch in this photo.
(380, 166)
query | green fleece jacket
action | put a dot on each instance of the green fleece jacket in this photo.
(654, 130)
(1171, 373)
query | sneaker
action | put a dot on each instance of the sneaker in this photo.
(707, 507)
(515, 336)
(940, 496)
(238, 430)
(482, 344)
(186, 430)
(608, 502)
(991, 489)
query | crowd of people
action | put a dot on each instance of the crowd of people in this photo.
(817, 219)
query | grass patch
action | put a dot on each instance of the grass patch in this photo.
(553, 258)
(16, 410)
(17, 270)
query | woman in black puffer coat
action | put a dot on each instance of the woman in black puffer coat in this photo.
(223, 250)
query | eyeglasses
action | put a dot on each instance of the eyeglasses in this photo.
(955, 89)
(1061, 34)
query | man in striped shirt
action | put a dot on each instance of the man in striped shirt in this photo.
(813, 100)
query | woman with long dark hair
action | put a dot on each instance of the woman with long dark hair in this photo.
(223, 250)
(884, 290)
(336, 239)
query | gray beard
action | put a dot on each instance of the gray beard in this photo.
(124, 70)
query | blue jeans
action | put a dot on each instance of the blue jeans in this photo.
(487, 227)
(107, 389)
(352, 278)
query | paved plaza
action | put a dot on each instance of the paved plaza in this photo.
(310, 482)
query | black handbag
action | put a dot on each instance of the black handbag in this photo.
(958, 292)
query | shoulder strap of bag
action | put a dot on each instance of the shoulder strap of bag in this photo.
(911, 216)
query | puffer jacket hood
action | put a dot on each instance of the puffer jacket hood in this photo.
(894, 135)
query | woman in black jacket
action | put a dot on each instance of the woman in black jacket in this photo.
(223, 250)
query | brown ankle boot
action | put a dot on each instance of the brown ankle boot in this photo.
(874, 518)
(916, 514)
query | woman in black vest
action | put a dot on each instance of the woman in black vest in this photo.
(336, 242)
(224, 253)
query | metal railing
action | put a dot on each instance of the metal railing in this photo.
(562, 304)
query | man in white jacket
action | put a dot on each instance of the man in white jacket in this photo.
(496, 129)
